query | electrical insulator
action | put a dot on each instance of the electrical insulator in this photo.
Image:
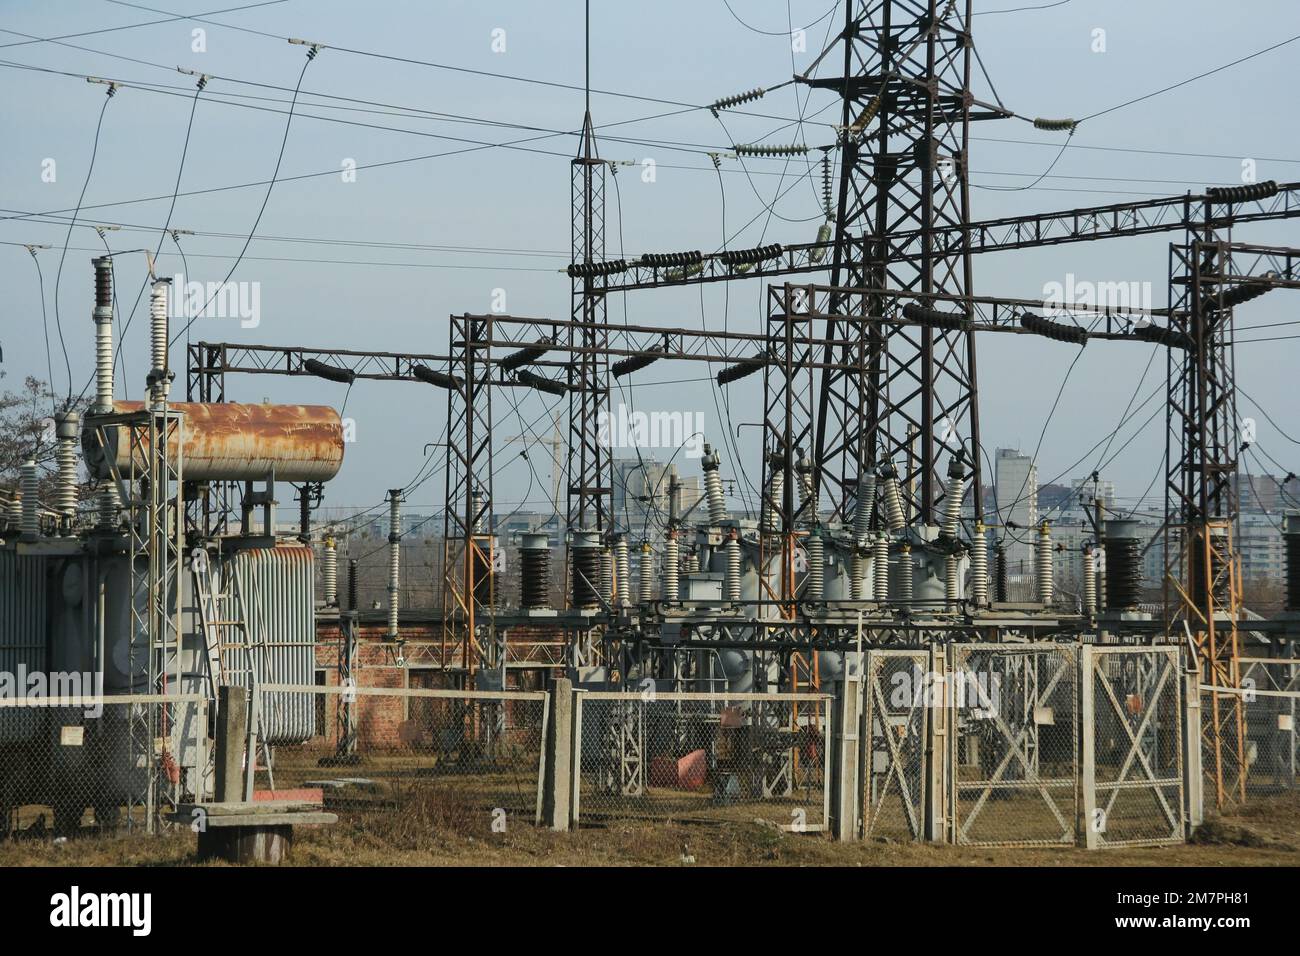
(818, 253)
(932, 318)
(330, 572)
(742, 369)
(672, 561)
(1044, 566)
(1055, 125)
(727, 102)
(954, 494)
(1089, 581)
(635, 363)
(733, 568)
(647, 573)
(758, 149)
(431, 377)
(880, 567)
(816, 574)
(865, 505)
(979, 566)
(1057, 331)
(623, 571)
(905, 573)
(892, 499)
(1248, 193)
(757, 254)
(525, 356)
(713, 494)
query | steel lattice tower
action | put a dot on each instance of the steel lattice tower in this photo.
(902, 211)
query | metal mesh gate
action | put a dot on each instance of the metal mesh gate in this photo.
(1133, 762)
(898, 686)
(715, 757)
(1014, 744)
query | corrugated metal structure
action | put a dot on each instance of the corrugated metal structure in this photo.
(23, 627)
(277, 585)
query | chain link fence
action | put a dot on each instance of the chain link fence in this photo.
(1271, 696)
(705, 757)
(74, 766)
(1014, 744)
(462, 760)
(896, 712)
(1133, 699)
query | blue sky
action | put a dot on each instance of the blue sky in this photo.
(515, 203)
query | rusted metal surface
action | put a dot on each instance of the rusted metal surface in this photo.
(235, 442)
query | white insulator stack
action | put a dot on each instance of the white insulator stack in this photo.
(880, 561)
(733, 569)
(1099, 573)
(330, 572)
(905, 573)
(622, 571)
(858, 573)
(394, 558)
(716, 500)
(979, 567)
(1089, 581)
(158, 332)
(955, 492)
(893, 501)
(865, 503)
(952, 581)
(691, 563)
(1044, 564)
(607, 575)
(672, 561)
(772, 503)
(67, 429)
(647, 574)
(110, 502)
(31, 514)
(808, 502)
(816, 576)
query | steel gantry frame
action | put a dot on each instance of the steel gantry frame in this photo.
(469, 586)
(1204, 440)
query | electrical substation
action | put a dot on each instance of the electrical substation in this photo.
(714, 662)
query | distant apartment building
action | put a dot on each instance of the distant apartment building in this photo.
(1016, 489)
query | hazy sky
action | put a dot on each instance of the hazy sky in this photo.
(505, 211)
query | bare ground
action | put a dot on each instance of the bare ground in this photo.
(442, 833)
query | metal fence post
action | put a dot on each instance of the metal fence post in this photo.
(1193, 781)
(1087, 751)
(557, 801)
(845, 771)
(937, 749)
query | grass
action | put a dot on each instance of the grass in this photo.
(438, 828)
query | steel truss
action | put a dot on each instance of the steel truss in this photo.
(1203, 444)
(468, 593)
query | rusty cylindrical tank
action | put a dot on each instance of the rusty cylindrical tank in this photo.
(234, 442)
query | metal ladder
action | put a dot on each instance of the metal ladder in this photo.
(224, 614)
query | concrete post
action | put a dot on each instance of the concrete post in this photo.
(846, 772)
(1091, 825)
(1193, 774)
(232, 729)
(557, 795)
(937, 745)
